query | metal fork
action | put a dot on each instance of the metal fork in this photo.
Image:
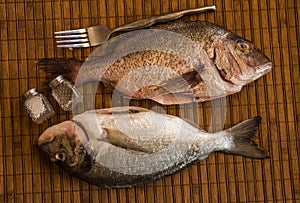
(97, 35)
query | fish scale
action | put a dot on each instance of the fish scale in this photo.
(224, 61)
(123, 156)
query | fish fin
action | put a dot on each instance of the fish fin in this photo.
(191, 79)
(242, 140)
(118, 138)
(122, 110)
(175, 98)
(69, 68)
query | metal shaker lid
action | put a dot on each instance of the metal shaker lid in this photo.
(56, 81)
(31, 92)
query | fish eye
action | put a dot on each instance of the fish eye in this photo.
(243, 46)
(60, 156)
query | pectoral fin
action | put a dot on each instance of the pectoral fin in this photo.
(183, 82)
(175, 98)
(119, 139)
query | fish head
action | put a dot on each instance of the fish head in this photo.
(62, 145)
(238, 61)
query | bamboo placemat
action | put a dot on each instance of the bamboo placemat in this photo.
(26, 174)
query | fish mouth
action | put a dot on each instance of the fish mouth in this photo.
(257, 73)
(262, 70)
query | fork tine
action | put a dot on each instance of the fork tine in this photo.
(74, 45)
(71, 36)
(73, 40)
(78, 31)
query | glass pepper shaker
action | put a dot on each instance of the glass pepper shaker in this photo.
(64, 93)
(37, 106)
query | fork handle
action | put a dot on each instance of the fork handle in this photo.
(161, 18)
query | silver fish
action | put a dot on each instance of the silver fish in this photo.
(127, 146)
(172, 63)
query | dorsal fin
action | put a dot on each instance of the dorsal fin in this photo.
(122, 110)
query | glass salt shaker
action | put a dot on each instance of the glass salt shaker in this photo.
(64, 93)
(37, 106)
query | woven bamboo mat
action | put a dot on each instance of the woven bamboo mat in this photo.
(26, 174)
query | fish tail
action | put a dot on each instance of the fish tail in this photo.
(68, 68)
(243, 144)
